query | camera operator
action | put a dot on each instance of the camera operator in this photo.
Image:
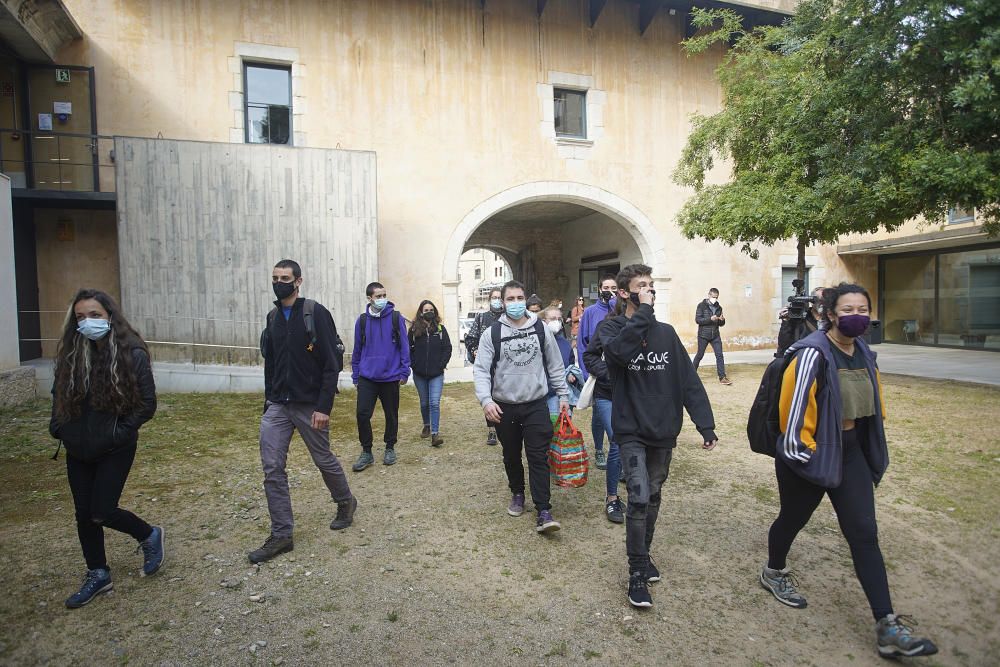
(797, 322)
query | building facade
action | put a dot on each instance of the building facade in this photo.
(389, 138)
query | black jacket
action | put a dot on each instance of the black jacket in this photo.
(708, 329)
(430, 354)
(593, 358)
(794, 330)
(292, 372)
(652, 377)
(95, 434)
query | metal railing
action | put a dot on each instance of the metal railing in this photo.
(66, 161)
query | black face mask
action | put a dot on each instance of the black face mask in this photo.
(429, 315)
(634, 296)
(283, 290)
(606, 296)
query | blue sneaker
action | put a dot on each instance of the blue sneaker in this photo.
(152, 551)
(94, 583)
(896, 638)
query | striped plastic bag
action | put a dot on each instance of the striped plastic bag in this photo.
(568, 462)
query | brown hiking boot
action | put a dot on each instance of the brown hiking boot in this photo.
(436, 440)
(345, 514)
(273, 546)
(725, 380)
(426, 433)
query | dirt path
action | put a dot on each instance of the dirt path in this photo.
(435, 572)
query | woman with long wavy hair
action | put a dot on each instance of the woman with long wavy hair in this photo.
(102, 393)
(430, 352)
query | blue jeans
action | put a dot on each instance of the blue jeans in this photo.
(553, 403)
(429, 390)
(602, 415)
(597, 427)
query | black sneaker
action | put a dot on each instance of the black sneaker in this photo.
(95, 582)
(638, 590)
(614, 510)
(152, 551)
(345, 514)
(491, 437)
(273, 546)
(652, 574)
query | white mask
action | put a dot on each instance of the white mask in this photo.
(712, 300)
(554, 326)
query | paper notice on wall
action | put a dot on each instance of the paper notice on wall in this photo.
(45, 121)
(748, 290)
(62, 107)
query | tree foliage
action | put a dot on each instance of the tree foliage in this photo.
(853, 116)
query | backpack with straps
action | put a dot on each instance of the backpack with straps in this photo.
(308, 308)
(537, 330)
(395, 327)
(763, 422)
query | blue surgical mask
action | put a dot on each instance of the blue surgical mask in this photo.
(515, 309)
(379, 304)
(94, 328)
(496, 305)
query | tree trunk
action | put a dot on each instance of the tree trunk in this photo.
(801, 265)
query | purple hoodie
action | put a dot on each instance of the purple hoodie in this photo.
(380, 360)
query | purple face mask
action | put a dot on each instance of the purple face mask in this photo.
(853, 325)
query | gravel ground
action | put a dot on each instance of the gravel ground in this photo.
(435, 572)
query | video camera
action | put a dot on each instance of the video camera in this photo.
(799, 304)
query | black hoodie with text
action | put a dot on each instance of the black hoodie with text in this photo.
(652, 378)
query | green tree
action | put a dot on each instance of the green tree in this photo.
(853, 116)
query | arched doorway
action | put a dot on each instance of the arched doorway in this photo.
(556, 235)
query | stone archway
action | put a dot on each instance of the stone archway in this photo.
(629, 217)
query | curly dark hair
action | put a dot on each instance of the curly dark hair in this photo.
(420, 326)
(832, 294)
(100, 372)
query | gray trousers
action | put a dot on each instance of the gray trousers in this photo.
(276, 428)
(646, 469)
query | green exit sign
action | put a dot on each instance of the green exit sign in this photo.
(62, 76)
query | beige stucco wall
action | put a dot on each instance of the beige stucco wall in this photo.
(447, 95)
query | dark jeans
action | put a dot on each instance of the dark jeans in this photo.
(854, 503)
(388, 394)
(646, 469)
(97, 488)
(716, 343)
(527, 425)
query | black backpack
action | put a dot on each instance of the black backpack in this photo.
(539, 330)
(395, 329)
(308, 307)
(763, 426)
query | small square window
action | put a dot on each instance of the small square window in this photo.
(479, 274)
(958, 215)
(267, 95)
(570, 113)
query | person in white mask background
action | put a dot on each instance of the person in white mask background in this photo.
(709, 317)
(102, 392)
(553, 319)
(481, 323)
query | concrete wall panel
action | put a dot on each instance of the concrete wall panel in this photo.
(200, 225)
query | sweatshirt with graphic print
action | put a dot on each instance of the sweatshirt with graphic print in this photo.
(652, 378)
(521, 377)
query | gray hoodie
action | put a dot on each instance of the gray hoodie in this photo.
(520, 376)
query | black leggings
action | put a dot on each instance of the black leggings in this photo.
(97, 488)
(854, 502)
